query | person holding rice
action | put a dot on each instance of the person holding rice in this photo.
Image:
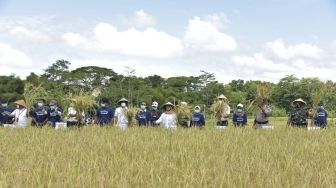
(54, 113)
(222, 111)
(262, 115)
(40, 114)
(168, 118)
(120, 115)
(240, 117)
(197, 119)
(143, 116)
(155, 114)
(20, 114)
(183, 114)
(299, 114)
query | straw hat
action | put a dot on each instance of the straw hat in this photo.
(122, 100)
(168, 104)
(221, 97)
(299, 101)
(21, 103)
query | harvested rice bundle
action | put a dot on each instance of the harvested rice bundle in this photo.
(130, 113)
(183, 114)
(263, 93)
(32, 94)
(220, 108)
(83, 102)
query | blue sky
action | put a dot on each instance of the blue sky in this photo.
(241, 35)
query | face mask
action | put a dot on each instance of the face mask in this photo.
(52, 107)
(197, 111)
(40, 104)
(4, 105)
(154, 107)
(123, 104)
(17, 106)
(103, 105)
(142, 107)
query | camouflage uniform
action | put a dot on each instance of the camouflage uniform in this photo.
(298, 117)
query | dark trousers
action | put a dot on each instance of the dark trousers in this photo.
(222, 123)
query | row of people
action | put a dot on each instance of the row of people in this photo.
(153, 116)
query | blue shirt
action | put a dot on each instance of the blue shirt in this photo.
(54, 115)
(239, 118)
(5, 119)
(197, 119)
(105, 115)
(154, 115)
(321, 117)
(143, 118)
(40, 115)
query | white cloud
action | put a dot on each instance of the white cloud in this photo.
(334, 44)
(132, 42)
(203, 36)
(74, 39)
(25, 34)
(219, 20)
(11, 57)
(141, 19)
(305, 50)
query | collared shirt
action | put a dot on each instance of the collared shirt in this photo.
(5, 119)
(263, 114)
(21, 119)
(143, 117)
(122, 117)
(40, 115)
(105, 115)
(168, 120)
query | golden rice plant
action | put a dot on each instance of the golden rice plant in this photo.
(218, 108)
(183, 111)
(32, 93)
(263, 92)
(83, 101)
(131, 112)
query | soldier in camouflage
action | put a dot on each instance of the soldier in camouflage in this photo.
(299, 114)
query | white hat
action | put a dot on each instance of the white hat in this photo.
(155, 104)
(197, 107)
(240, 105)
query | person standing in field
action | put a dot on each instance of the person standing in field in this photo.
(104, 114)
(223, 119)
(73, 118)
(120, 116)
(168, 118)
(240, 117)
(321, 117)
(155, 114)
(143, 116)
(20, 114)
(54, 113)
(40, 114)
(263, 113)
(197, 119)
(4, 111)
(299, 114)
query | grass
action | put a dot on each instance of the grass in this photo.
(140, 157)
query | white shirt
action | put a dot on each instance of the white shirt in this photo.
(122, 118)
(72, 111)
(21, 119)
(168, 120)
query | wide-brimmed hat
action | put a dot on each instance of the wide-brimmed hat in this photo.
(21, 103)
(222, 97)
(299, 101)
(168, 104)
(122, 100)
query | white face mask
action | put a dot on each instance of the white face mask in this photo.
(143, 107)
(4, 105)
(197, 111)
(103, 105)
(123, 104)
(40, 104)
(154, 107)
(52, 107)
(17, 106)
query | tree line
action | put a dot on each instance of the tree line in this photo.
(59, 81)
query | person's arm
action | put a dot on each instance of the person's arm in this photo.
(115, 117)
(202, 120)
(245, 119)
(160, 119)
(326, 116)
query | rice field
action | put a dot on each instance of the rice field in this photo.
(153, 157)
